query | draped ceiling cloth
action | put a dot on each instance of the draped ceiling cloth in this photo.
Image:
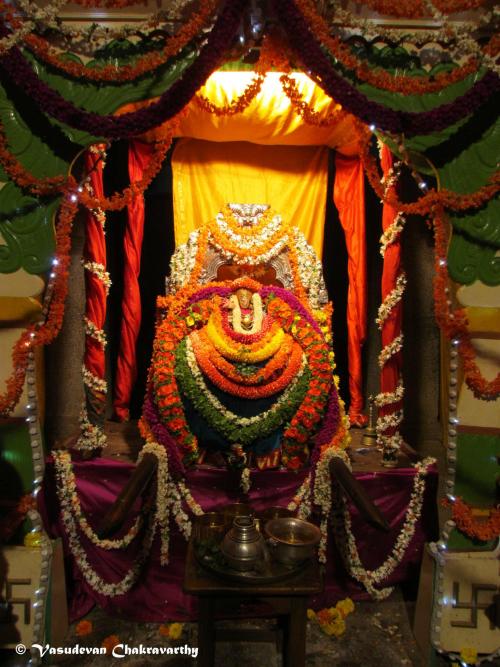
(268, 154)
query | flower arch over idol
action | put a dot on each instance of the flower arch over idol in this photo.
(242, 370)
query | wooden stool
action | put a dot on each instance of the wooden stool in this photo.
(287, 598)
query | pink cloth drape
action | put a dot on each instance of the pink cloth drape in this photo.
(139, 155)
(349, 198)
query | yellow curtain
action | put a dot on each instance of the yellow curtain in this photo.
(291, 179)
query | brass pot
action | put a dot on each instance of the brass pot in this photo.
(291, 540)
(243, 546)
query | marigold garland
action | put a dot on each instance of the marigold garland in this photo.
(444, 198)
(478, 529)
(128, 72)
(406, 85)
(453, 323)
(203, 358)
(43, 333)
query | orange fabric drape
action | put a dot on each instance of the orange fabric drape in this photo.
(349, 198)
(291, 179)
(94, 251)
(391, 327)
(139, 155)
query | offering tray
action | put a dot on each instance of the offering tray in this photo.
(210, 557)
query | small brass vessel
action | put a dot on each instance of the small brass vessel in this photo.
(244, 547)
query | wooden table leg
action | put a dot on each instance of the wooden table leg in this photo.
(295, 655)
(206, 632)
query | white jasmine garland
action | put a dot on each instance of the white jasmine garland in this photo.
(392, 233)
(159, 519)
(392, 420)
(99, 270)
(92, 330)
(389, 350)
(302, 499)
(323, 494)
(91, 436)
(66, 475)
(388, 397)
(391, 300)
(346, 541)
(245, 480)
(94, 382)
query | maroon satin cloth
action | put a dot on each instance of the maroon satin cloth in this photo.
(158, 594)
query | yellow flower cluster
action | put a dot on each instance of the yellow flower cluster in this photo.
(332, 620)
(247, 353)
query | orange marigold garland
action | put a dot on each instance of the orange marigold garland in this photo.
(447, 199)
(453, 323)
(478, 529)
(43, 333)
(128, 72)
(406, 85)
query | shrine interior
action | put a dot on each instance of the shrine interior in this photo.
(249, 333)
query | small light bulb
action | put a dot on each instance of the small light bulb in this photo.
(73, 197)
(55, 262)
(423, 185)
(372, 127)
(442, 262)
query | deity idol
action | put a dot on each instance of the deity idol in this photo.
(242, 371)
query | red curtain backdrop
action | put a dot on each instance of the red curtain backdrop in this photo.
(349, 198)
(94, 251)
(139, 155)
(391, 327)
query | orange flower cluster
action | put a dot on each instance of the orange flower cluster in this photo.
(42, 334)
(119, 200)
(446, 199)
(406, 85)
(237, 105)
(454, 324)
(311, 409)
(83, 628)
(478, 529)
(145, 64)
(204, 351)
(275, 364)
(304, 109)
(110, 642)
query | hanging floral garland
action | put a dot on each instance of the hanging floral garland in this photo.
(406, 85)
(418, 9)
(354, 101)
(127, 72)
(341, 521)
(68, 488)
(477, 529)
(453, 322)
(159, 521)
(43, 333)
(447, 199)
(134, 123)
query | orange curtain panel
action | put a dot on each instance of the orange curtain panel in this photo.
(139, 155)
(291, 179)
(349, 198)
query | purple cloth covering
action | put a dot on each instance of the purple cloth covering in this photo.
(158, 594)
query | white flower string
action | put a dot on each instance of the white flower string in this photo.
(159, 520)
(392, 233)
(94, 332)
(100, 272)
(301, 502)
(93, 382)
(392, 442)
(391, 300)
(389, 350)
(91, 436)
(341, 521)
(323, 494)
(66, 475)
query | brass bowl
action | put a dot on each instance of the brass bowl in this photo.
(292, 540)
(272, 513)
